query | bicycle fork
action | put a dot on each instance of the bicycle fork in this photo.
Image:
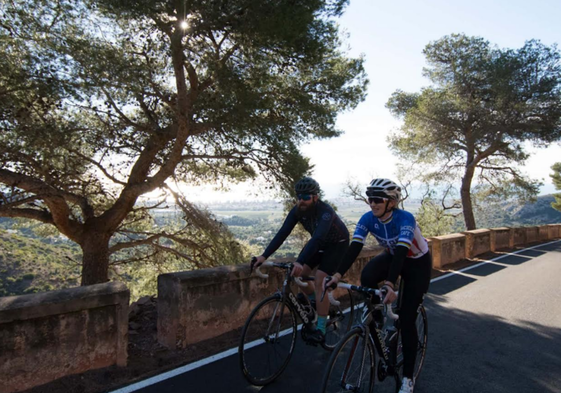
(355, 346)
(273, 330)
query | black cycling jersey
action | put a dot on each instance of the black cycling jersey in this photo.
(321, 221)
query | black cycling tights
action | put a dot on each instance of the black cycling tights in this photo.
(416, 277)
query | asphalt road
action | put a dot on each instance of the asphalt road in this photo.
(493, 328)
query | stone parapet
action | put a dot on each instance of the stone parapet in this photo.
(202, 304)
(501, 238)
(543, 233)
(448, 249)
(49, 335)
(519, 236)
(478, 241)
(554, 231)
(532, 235)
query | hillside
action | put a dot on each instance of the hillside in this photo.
(512, 214)
(540, 212)
(29, 265)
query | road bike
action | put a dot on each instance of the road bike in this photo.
(269, 334)
(352, 365)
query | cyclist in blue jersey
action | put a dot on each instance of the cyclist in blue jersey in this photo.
(406, 254)
(327, 246)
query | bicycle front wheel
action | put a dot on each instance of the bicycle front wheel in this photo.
(339, 320)
(267, 340)
(351, 365)
(422, 339)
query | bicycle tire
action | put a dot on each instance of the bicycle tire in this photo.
(339, 322)
(351, 366)
(422, 333)
(267, 340)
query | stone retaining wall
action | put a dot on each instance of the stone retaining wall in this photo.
(49, 335)
(478, 241)
(198, 305)
(501, 238)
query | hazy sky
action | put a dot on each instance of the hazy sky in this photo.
(392, 35)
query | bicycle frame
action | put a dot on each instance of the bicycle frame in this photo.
(378, 340)
(353, 363)
(287, 293)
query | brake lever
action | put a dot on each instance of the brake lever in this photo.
(332, 286)
(253, 262)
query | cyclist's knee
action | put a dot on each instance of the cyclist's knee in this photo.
(320, 276)
(321, 272)
(306, 270)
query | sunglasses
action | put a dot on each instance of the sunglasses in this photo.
(304, 197)
(376, 200)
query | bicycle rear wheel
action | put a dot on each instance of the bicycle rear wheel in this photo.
(340, 320)
(267, 340)
(351, 365)
(422, 334)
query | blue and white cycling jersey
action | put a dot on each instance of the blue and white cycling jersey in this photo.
(400, 229)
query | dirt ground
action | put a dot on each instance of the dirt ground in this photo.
(147, 358)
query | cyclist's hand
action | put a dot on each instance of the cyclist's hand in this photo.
(296, 269)
(390, 295)
(257, 261)
(330, 282)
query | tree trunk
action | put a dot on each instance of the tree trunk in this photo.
(465, 193)
(95, 260)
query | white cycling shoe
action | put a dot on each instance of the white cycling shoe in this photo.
(406, 385)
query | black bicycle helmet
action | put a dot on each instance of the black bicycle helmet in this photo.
(307, 185)
(384, 188)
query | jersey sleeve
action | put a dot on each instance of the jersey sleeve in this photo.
(361, 230)
(287, 227)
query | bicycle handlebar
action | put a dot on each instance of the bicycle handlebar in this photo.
(265, 276)
(371, 291)
(297, 280)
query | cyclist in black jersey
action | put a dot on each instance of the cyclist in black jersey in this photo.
(407, 255)
(326, 247)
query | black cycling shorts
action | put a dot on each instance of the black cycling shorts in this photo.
(328, 258)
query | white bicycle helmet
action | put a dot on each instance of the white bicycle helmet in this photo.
(384, 188)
